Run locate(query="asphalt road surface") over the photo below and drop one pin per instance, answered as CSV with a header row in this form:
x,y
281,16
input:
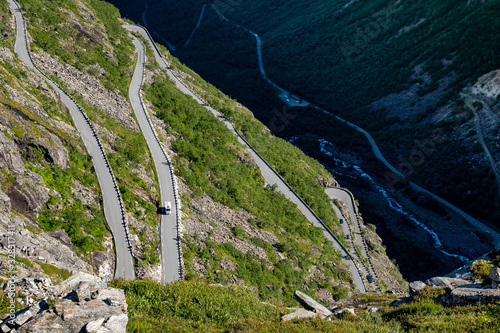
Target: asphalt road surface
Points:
x,y
111,201
344,196
169,241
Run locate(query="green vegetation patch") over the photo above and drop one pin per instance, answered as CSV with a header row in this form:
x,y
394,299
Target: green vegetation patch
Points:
x,y
56,274
87,233
183,306
24,261
6,31
85,226
273,279
36,231
199,307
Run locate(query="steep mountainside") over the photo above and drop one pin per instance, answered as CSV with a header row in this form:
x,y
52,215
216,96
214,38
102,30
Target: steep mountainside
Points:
x,y
47,175
402,70
236,229
250,255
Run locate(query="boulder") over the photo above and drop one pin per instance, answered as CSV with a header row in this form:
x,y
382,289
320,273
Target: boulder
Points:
x,y
441,281
23,317
26,315
495,277
74,280
66,309
82,292
63,237
117,323
311,304
301,313
415,287
464,296
5,328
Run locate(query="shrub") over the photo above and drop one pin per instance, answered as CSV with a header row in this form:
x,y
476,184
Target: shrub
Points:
x,y
481,269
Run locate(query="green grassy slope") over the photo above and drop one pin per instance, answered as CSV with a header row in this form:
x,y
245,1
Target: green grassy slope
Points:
x,y
198,307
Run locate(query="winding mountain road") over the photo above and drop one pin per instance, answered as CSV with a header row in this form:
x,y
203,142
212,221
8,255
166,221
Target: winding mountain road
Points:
x,y
113,206
348,199
269,174
170,246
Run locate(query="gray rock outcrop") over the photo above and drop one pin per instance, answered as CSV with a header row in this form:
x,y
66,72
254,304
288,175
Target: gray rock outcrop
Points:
x,y
82,292
76,281
311,304
5,205
83,303
441,281
36,246
495,277
416,286
464,296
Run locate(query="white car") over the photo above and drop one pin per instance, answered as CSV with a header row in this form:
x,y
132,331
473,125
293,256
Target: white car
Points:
x,y
168,207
